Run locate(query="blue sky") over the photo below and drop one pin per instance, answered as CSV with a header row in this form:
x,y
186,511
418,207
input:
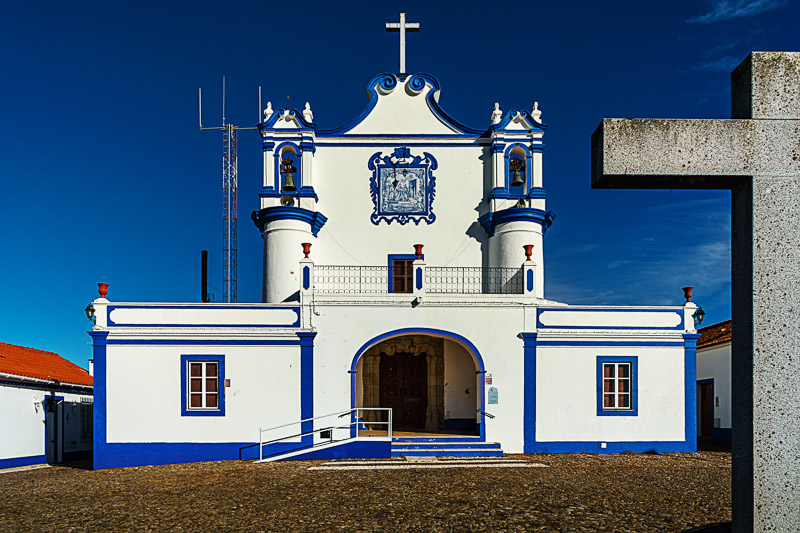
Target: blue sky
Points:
x,y
106,177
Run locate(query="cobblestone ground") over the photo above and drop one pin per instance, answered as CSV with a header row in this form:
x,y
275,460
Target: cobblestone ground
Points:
x,y
578,492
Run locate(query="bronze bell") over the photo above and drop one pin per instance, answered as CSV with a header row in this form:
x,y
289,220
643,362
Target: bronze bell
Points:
x,y
516,178
287,168
288,183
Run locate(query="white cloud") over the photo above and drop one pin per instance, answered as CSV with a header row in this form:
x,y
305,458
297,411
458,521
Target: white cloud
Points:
x,y
731,9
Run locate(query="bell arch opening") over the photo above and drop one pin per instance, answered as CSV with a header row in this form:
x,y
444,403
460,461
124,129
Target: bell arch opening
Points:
x,y
432,383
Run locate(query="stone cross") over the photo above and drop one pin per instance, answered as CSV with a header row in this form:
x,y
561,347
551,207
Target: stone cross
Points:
x,y
756,155
402,27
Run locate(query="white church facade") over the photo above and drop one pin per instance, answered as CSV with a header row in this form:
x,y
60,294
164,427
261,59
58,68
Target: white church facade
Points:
x,y
403,270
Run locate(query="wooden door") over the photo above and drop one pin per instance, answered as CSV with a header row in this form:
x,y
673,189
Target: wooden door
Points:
x,y
404,388
706,410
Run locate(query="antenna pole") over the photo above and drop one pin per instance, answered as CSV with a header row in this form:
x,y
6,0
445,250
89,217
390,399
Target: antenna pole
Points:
x,y
200,107
259,105
223,100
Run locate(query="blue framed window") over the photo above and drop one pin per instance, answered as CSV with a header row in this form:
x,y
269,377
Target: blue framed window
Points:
x,y
401,272
617,385
202,385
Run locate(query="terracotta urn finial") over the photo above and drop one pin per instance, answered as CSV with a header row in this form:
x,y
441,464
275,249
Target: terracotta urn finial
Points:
x,y
418,250
102,288
306,248
528,251
687,293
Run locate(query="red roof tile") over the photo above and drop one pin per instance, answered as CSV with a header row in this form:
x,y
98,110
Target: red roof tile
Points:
x,y
39,364
715,334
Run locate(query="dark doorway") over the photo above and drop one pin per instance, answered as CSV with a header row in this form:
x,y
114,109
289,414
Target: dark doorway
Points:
x,y
400,275
404,388
706,396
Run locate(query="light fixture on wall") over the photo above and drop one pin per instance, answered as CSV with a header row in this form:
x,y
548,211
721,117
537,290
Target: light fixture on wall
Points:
x,y
698,316
90,313
287,167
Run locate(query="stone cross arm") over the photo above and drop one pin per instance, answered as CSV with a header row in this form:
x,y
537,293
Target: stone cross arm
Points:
x,y
693,153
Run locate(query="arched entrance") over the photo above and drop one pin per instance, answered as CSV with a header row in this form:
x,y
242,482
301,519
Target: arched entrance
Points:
x,y
432,380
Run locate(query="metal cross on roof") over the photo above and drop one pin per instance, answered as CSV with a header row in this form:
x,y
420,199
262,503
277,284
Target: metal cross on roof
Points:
x,y
402,27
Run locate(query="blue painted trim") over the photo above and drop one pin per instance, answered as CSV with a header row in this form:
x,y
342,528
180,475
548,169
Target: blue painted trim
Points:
x,y
679,327
306,277
422,331
99,339
419,278
405,143
529,344
614,447
112,307
534,193
351,450
426,162
644,344
386,83
533,126
491,220
530,280
634,394
391,258
302,192
15,462
124,454
209,342
279,212
690,375
296,114
197,358
307,383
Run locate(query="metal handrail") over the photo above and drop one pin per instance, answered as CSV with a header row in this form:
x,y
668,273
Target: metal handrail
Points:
x,y
481,411
356,420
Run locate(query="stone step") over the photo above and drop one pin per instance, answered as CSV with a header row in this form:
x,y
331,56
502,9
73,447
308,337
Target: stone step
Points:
x,y
447,452
444,445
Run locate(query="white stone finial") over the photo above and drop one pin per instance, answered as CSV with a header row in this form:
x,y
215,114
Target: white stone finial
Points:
x,y
497,115
536,114
309,116
268,111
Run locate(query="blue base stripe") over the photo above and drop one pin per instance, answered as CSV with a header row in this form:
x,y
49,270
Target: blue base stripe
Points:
x,y
23,461
352,450
117,455
612,447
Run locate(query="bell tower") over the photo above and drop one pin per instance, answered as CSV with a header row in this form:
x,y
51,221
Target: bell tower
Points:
x,y
517,214
288,215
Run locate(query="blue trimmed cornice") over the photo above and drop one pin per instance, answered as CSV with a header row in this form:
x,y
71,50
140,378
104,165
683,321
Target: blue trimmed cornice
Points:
x,y
500,193
264,216
490,221
303,192
511,115
386,83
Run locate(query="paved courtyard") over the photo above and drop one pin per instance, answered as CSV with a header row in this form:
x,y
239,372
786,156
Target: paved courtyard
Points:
x,y
575,492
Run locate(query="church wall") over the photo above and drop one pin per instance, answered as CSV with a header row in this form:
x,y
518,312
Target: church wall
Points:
x,y
143,393
342,183
566,396
344,329
461,391
715,363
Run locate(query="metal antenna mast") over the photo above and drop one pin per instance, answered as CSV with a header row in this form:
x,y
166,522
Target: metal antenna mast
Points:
x,y
230,169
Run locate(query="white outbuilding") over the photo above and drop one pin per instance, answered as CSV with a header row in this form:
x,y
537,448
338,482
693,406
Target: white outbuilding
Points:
x,y
45,408
714,382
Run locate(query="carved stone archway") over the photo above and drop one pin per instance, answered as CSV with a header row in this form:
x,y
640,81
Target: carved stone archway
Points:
x,y
432,348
